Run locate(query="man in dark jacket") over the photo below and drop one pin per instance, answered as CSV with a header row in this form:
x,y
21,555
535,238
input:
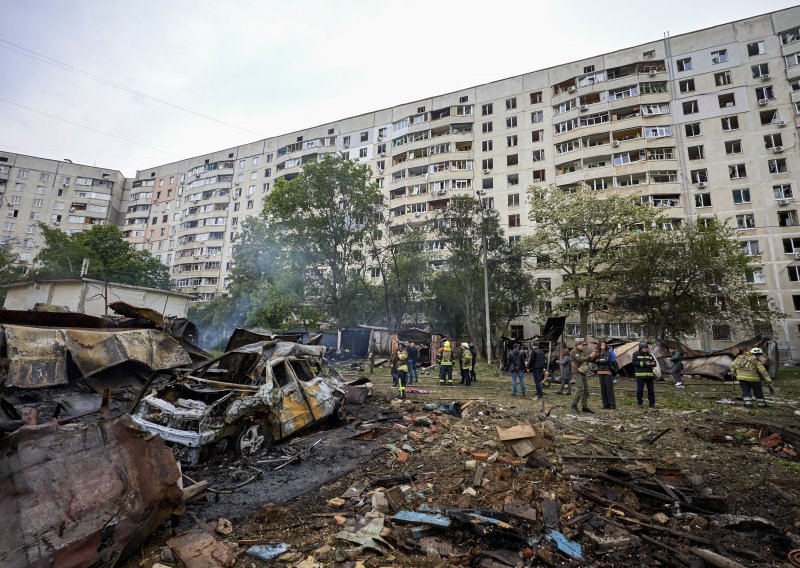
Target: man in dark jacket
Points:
x,y
413,355
643,369
516,364
537,363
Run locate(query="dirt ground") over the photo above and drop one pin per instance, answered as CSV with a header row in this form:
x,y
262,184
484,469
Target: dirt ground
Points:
x,y
632,487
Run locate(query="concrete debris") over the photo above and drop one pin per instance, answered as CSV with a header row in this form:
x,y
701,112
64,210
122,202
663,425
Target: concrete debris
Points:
x,y
82,495
198,549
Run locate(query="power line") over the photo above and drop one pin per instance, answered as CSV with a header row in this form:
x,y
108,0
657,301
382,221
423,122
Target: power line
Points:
x,y
89,128
86,74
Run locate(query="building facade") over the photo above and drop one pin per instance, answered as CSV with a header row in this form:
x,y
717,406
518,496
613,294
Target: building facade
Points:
x,y
703,124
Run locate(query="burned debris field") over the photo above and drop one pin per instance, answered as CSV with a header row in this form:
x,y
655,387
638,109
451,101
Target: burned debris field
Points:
x,y
126,445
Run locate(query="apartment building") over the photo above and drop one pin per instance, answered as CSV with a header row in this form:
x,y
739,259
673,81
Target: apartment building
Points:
x,y
70,196
703,124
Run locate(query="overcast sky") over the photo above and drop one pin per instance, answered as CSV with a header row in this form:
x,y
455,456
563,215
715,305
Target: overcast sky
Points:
x,y
274,67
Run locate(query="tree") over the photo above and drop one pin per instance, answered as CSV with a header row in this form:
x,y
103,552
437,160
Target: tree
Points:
x,y
110,257
321,220
583,234
677,281
399,256
457,290
11,267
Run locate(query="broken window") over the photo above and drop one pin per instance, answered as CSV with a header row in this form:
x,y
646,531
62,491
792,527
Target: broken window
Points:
x,y
538,175
487,145
782,192
791,245
696,152
723,78
364,136
777,166
512,160
686,86
653,87
699,176
692,129
756,48
768,117
537,135
760,70
794,273
511,103
733,147
764,94
702,200
684,64
792,60
487,183
514,220
787,218
745,221
512,179
487,109
536,97
690,107
730,123
719,56
538,155
488,163
737,171
741,196
726,100
657,131
511,122
750,248
511,141
537,116
773,141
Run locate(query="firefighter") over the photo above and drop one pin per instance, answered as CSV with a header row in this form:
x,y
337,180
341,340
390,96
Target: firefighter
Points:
x,y
643,369
445,364
466,365
749,370
402,369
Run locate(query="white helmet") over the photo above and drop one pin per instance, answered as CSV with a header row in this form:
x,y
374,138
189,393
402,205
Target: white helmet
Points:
x,y
757,351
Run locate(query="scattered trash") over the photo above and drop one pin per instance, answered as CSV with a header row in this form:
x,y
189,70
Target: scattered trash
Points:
x,y
267,552
565,545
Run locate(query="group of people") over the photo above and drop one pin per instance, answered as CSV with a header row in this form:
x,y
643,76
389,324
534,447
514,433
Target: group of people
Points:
x,y
466,362
748,368
574,366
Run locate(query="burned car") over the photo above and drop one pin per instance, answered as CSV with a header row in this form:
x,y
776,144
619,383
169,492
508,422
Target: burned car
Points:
x,y
251,396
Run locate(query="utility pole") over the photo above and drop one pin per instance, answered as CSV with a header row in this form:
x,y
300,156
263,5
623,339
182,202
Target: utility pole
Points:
x,y
486,283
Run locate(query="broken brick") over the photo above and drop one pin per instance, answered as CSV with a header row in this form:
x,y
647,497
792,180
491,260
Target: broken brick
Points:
x,y
398,426
480,456
416,436
771,441
402,457
789,451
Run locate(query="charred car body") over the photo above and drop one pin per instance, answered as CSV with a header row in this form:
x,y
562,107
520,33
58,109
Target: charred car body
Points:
x,y
251,396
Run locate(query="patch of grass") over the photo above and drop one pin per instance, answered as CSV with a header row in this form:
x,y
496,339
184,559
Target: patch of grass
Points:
x,y
788,373
790,466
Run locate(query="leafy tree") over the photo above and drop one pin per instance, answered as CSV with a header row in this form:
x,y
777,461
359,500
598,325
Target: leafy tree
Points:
x,y
321,220
678,281
457,291
110,257
398,254
11,267
583,234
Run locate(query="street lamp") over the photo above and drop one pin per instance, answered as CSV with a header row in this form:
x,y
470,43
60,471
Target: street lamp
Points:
x,y
485,281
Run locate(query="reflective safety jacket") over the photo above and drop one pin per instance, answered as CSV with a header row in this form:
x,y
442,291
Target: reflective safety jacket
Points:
x,y
466,359
643,365
402,357
447,356
747,367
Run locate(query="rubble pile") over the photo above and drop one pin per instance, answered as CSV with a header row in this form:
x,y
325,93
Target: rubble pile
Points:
x,y
478,484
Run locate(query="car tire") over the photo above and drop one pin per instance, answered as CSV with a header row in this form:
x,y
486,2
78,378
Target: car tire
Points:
x,y
252,439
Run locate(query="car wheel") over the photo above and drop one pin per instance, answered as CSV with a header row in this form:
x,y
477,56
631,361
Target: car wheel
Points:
x,y
251,439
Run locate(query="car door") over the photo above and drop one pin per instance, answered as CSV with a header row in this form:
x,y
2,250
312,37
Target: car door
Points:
x,y
319,395
294,413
